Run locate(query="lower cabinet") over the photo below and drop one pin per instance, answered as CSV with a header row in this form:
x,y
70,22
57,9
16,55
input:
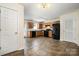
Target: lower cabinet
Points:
x,y
31,34
50,34
39,34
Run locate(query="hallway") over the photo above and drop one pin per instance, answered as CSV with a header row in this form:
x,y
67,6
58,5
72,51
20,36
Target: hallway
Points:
x,y
42,46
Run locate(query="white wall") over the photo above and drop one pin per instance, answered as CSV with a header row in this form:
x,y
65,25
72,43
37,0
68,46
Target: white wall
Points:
x,y
20,10
69,26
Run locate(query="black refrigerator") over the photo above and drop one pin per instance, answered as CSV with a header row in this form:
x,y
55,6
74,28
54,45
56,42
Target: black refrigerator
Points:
x,y
56,31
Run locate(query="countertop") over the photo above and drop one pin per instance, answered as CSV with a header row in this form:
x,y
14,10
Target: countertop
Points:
x,y
36,30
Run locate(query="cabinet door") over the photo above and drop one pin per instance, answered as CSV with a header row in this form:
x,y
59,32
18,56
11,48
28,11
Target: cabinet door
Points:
x,y
30,25
40,25
9,26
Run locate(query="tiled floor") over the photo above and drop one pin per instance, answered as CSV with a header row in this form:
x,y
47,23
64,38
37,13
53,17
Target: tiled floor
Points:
x,y
42,46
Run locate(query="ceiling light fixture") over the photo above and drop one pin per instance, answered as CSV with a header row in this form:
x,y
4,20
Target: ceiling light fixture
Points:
x,y
44,5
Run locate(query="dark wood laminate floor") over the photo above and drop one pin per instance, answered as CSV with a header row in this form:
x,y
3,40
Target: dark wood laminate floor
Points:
x,y
42,46
15,53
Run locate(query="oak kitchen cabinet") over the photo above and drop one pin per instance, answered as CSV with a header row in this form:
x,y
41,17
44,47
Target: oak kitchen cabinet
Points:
x,y
29,34
50,34
40,25
30,24
39,33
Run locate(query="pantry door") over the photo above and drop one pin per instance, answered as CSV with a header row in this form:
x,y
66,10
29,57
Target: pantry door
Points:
x,y
9,30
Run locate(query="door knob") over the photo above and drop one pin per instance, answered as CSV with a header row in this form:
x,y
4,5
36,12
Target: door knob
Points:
x,y
16,32
0,48
0,29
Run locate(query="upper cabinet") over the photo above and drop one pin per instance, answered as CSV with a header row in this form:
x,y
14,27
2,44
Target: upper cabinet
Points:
x,y
47,24
40,25
30,24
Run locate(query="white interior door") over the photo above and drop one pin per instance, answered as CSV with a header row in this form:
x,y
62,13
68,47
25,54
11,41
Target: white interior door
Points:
x,y
68,27
0,32
3,28
69,30
9,29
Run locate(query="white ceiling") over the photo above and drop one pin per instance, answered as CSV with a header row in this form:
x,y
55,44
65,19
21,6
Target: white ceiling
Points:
x,y
32,10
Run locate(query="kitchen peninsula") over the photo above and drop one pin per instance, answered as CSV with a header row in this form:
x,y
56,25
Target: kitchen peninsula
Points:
x,y
39,29
49,29
39,33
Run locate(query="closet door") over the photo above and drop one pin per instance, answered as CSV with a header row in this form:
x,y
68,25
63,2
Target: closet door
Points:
x,y
69,32
0,32
3,29
9,26
67,27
